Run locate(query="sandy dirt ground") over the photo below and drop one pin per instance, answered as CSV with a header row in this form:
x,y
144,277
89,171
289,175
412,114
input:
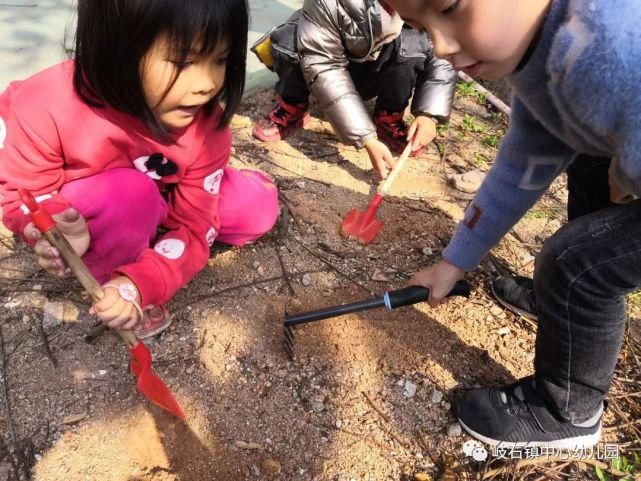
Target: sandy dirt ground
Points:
x,y
345,408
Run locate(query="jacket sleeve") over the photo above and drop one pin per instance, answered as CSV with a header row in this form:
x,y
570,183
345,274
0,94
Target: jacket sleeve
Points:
x,y
30,157
324,63
192,224
435,89
529,159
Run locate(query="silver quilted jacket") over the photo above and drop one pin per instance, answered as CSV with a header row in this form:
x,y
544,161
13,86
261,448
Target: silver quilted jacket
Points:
x,y
331,33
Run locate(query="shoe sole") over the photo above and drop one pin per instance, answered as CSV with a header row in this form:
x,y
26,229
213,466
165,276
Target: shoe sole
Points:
x,y
577,442
156,331
284,133
512,308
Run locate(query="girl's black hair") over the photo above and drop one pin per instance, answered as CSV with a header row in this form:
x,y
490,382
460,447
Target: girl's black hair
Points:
x,y
113,37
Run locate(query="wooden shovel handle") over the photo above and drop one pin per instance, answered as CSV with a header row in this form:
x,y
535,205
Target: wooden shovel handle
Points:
x,y
387,183
80,270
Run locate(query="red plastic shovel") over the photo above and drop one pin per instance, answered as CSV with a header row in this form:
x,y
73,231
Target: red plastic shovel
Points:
x,y
364,226
149,385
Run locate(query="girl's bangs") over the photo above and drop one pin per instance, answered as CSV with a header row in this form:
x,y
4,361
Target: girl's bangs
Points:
x,y
201,25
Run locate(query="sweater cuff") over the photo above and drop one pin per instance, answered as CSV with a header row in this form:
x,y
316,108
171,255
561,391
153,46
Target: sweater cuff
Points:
x,y
464,250
149,281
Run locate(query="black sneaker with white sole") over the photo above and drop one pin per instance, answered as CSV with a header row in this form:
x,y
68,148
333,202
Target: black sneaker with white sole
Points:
x,y
516,416
516,294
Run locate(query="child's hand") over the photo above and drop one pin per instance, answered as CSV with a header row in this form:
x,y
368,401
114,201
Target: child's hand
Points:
x,y
74,227
439,279
114,310
382,159
422,130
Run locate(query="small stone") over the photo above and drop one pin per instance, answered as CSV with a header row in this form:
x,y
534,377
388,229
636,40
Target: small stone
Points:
x,y
338,424
469,182
53,316
503,331
245,445
256,264
437,397
75,419
317,406
422,477
409,390
240,122
496,310
454,430
37,287
270,466
427,251
260,271
379,276
169,337
307,280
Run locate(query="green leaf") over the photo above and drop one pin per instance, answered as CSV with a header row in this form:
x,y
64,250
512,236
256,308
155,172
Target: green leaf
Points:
x,y
600,474
616,463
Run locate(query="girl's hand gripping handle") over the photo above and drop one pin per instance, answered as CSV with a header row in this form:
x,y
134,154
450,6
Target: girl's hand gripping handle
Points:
x,y
387,183
45,223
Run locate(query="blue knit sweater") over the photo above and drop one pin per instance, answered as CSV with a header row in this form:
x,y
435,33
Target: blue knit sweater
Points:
x,y
579,92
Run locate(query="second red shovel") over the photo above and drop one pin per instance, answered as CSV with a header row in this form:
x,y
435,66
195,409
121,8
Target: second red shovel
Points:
x,y
364,226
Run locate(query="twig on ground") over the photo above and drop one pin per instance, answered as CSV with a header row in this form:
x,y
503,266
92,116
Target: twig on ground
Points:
x,y
95,332
491,98
385,418
195,300
297,174
45,344
283,230
22,471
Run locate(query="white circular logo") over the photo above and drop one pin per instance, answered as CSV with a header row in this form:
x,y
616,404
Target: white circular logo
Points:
x,y
211,236
140,165
212,182
170,248
3,133
475,450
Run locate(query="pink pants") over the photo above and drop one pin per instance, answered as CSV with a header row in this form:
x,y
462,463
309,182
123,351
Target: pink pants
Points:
x,y
124,209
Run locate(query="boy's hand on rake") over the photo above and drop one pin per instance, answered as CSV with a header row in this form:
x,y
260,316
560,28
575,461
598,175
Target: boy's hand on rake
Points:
x,y
381,157
74,227
120,307
421,132
439,279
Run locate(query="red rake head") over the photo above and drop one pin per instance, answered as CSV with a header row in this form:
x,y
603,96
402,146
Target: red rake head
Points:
x,y
361,225
150,385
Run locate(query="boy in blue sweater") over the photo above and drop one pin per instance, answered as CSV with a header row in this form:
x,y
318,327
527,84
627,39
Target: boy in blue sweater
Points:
x,y
575,69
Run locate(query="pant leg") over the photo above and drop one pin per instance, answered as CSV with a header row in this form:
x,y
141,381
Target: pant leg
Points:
x,y
123,208
291,85
248,206
588,187
581,278
393,75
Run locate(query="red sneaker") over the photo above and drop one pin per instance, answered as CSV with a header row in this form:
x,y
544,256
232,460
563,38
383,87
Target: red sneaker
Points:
x,y
155,320
392,129
283,119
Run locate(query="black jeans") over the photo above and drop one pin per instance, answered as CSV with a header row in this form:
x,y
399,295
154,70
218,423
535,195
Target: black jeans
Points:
x,y
581,278
391,78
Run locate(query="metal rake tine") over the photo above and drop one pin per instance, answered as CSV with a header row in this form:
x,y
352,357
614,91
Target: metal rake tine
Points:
x,y
288,342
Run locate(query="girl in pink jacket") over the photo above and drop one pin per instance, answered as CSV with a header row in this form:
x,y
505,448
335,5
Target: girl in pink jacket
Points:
x,y
129,136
